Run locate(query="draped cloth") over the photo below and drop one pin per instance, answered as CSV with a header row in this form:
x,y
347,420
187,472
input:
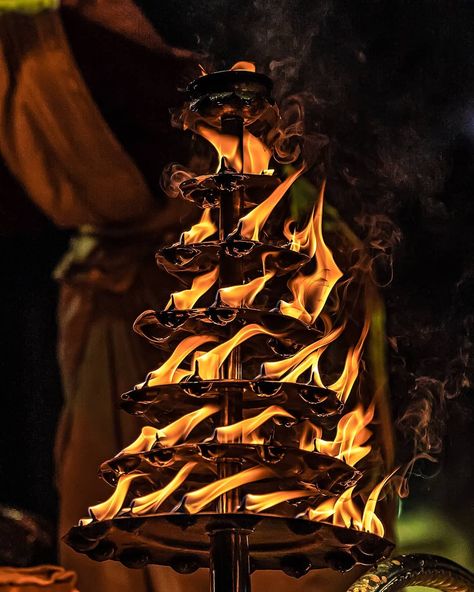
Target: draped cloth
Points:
x,y
36,579
58,145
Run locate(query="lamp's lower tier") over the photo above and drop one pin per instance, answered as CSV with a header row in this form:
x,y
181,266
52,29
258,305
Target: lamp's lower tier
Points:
x,y
294,545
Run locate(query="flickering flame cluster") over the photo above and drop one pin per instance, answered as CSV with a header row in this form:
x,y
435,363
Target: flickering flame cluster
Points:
x,y
312,299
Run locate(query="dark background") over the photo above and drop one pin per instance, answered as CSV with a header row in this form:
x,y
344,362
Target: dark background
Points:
x,y
391,86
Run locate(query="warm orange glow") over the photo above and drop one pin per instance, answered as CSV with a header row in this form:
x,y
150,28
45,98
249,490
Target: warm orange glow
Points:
x,y
244,295
110,507
255,154
181,428
172,433
245,430
312,361
310,292
148,436
298,361
208,364
187,298
345,512
150,503
197,500
349,444
303,240
250,66
168,372
370,521
345,382
200,231
261,502
251,224
316,296
322,512
308,435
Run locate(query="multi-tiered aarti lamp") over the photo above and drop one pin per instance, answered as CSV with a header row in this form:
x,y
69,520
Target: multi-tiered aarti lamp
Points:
x,y
236,471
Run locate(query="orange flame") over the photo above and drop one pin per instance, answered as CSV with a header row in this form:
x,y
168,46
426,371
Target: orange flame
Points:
x,y
149,503
200,231
312,361
111,506
322,512
345,512
251,224
352,434
370,521
276,370
197,500
168,372
172,433
310,292
345,382
208,364
182,427
303,240
308,435
187,298
148,436
244,430
261,502
256,155
250,66
245,294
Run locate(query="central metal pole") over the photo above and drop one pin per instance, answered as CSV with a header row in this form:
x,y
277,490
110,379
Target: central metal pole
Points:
x,y
230,274
229,560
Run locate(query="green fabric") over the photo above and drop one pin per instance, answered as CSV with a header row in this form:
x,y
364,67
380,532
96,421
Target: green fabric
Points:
x,y
27,6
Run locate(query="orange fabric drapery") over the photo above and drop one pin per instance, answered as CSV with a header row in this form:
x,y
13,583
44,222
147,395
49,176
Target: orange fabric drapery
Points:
x,y
34,579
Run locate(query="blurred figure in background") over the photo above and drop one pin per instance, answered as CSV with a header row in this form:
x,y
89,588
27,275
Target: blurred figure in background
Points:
x,y
59,147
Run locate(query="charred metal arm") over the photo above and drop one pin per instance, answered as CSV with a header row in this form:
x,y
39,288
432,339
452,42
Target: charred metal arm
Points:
x,y
415,570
